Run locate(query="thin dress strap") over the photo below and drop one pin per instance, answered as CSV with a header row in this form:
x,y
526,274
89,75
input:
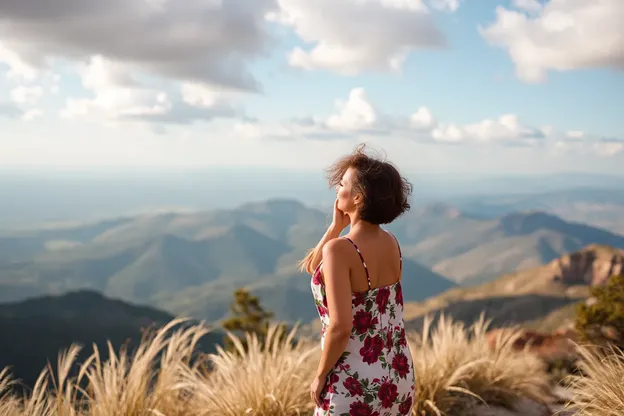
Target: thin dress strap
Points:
x,y
363,262
399,247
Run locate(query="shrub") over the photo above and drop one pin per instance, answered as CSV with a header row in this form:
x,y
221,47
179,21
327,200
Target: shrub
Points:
x,y
248,317
601,321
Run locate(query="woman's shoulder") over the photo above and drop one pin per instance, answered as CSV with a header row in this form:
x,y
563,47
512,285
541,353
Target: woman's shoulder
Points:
x,y
337,247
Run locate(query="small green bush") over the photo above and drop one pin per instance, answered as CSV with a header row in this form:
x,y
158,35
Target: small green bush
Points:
x,y
601,321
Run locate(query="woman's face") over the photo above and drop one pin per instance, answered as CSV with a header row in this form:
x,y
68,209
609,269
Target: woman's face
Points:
x,y
345,194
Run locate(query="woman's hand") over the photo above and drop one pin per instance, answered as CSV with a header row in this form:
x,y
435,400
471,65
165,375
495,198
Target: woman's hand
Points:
x,y
316,388
340,219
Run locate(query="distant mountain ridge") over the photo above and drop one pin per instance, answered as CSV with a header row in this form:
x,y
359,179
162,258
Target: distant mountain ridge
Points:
x,y
190,263
470,250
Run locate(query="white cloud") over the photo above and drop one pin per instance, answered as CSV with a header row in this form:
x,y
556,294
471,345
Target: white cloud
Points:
x,y
119,95
207,41
507,128
422,119
608,148
580,142
357,118
357,113
350,36
445,5
32,114
17,67
562,35
26,95
528,5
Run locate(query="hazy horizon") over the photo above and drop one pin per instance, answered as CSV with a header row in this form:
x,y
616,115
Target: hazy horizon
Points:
x,y
34,198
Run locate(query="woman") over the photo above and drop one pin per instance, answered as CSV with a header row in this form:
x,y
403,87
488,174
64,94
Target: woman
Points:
x,y
366,366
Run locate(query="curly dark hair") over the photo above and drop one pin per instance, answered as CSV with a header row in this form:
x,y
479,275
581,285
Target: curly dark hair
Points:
x,y
385,192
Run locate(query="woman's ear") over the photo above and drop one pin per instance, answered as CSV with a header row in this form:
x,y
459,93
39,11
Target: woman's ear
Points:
x,y
357,199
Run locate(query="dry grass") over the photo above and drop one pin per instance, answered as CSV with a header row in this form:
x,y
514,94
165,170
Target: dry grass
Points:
x,y
598,389
267,380
456,369
164,377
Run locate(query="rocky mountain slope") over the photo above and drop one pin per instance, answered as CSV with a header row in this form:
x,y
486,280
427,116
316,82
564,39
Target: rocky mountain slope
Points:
x,y
530,295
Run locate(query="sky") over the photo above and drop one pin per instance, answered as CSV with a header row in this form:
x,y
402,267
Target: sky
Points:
x,y
438,86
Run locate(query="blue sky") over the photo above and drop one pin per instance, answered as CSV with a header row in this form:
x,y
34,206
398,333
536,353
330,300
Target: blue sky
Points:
x,y
444,86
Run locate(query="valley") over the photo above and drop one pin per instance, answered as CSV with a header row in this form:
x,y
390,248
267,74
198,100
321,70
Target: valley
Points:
x,y
189,264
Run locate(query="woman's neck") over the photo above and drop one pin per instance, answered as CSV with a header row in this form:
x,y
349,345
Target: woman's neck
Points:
x,y
359,225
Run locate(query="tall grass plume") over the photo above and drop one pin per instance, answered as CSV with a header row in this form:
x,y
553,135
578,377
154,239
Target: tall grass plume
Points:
x,y
598,388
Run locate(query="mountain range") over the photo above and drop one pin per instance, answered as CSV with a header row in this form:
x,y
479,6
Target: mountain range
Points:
x,y
190,263
469,249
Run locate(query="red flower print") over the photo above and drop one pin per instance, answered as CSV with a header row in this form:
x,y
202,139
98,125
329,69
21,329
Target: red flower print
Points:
x,y
332,379
389,340
325,404
382,299
388,394
401,365
353,386
402,339
361,409
399,295
316,278
363,321
406,406
371,350
374,374
359,299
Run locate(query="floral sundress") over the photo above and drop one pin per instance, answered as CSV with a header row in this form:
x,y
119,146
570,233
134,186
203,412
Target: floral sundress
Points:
x,y
375,374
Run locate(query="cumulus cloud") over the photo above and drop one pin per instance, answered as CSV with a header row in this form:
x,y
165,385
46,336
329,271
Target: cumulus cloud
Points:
x,y
422,119
506,129
32,114
27,95
197,41
580,142
350,36
528,5
356,118
119,95
561,35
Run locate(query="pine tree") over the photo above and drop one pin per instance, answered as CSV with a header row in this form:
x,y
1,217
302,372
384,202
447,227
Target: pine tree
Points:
x,y
248,317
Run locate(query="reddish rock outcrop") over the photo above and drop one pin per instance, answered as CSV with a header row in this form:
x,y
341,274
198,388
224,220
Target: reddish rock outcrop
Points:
x,y
593,265
548,346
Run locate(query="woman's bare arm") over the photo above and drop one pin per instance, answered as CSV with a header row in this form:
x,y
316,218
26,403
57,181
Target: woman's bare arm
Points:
x,y
339,222
314,256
